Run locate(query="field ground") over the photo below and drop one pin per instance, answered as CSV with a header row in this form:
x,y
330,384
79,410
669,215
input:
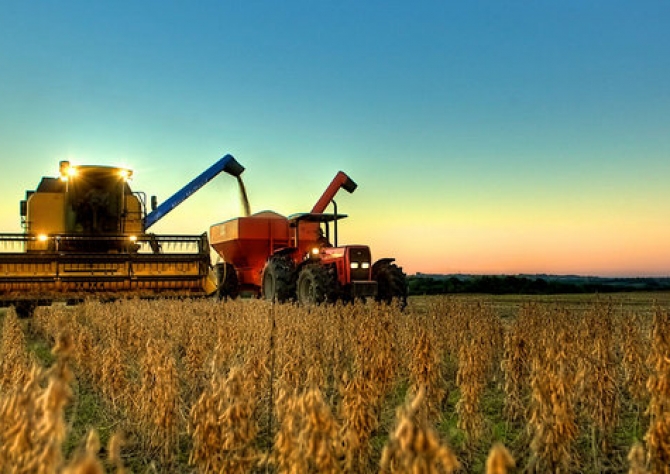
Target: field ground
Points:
x,y
509,305
567,383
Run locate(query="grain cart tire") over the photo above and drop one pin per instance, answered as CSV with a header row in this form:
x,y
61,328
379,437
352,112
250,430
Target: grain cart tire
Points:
x,y
25,309
316,285
391,282
227,283
277,283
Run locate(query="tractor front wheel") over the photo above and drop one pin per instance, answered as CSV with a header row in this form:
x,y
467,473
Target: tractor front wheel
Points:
x,y
316,285
391,282
277,283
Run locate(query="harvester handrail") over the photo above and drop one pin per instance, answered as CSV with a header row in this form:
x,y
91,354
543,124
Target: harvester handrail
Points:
x,y
168,243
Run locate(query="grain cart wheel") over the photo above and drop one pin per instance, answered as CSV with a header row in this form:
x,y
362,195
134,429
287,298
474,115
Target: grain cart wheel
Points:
x,y
391,282
278,283
227,284
25,308
316,284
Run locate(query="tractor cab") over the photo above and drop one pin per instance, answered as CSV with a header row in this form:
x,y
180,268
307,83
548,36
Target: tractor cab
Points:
x,y
312,230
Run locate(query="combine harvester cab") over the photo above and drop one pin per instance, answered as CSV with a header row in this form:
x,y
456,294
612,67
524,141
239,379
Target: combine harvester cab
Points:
x,y
86,235
298,257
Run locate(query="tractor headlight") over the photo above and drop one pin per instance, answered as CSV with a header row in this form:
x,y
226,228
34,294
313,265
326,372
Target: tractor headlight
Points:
x,y
133,238
42,237
315,251
354,265
365,265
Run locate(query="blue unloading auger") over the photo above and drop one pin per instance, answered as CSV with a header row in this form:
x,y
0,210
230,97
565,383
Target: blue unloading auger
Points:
x,y
227,163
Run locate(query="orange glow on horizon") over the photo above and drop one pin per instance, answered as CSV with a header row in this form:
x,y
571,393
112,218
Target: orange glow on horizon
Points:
x,y
602,249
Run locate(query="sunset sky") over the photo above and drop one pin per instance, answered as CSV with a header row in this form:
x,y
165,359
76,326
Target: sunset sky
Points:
x,y
485,136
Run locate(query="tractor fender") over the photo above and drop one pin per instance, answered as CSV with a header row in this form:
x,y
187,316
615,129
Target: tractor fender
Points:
x,y
382,261
305,262
283,251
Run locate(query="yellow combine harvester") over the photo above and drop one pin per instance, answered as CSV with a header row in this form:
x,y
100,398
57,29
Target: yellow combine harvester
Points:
x,y
86,235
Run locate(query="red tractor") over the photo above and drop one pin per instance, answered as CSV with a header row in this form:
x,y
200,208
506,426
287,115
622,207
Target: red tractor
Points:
x,y
298,257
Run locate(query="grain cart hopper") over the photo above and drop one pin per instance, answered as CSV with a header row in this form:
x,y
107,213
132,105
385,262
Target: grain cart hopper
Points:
x,y
298,257
86,234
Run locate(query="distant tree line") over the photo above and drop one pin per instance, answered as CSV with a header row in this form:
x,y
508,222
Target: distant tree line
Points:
x,y
522,285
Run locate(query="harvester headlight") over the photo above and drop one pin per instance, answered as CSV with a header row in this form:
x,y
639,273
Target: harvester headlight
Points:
x,y
365,265
354,265
133,238
125,174
42,237
67,172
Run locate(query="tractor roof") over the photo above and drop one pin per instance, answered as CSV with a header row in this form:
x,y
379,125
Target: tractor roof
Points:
x,y
315,217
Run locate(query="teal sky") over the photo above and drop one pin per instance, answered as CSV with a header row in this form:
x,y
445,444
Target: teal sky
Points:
x,y
485,136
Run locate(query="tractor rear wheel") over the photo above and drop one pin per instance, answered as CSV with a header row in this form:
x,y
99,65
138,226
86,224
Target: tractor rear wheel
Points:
x,y
391,282
228,285
278,282
316,285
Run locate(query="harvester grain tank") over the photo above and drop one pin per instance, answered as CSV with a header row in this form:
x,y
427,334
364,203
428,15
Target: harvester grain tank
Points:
x,y
86,235
299,257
